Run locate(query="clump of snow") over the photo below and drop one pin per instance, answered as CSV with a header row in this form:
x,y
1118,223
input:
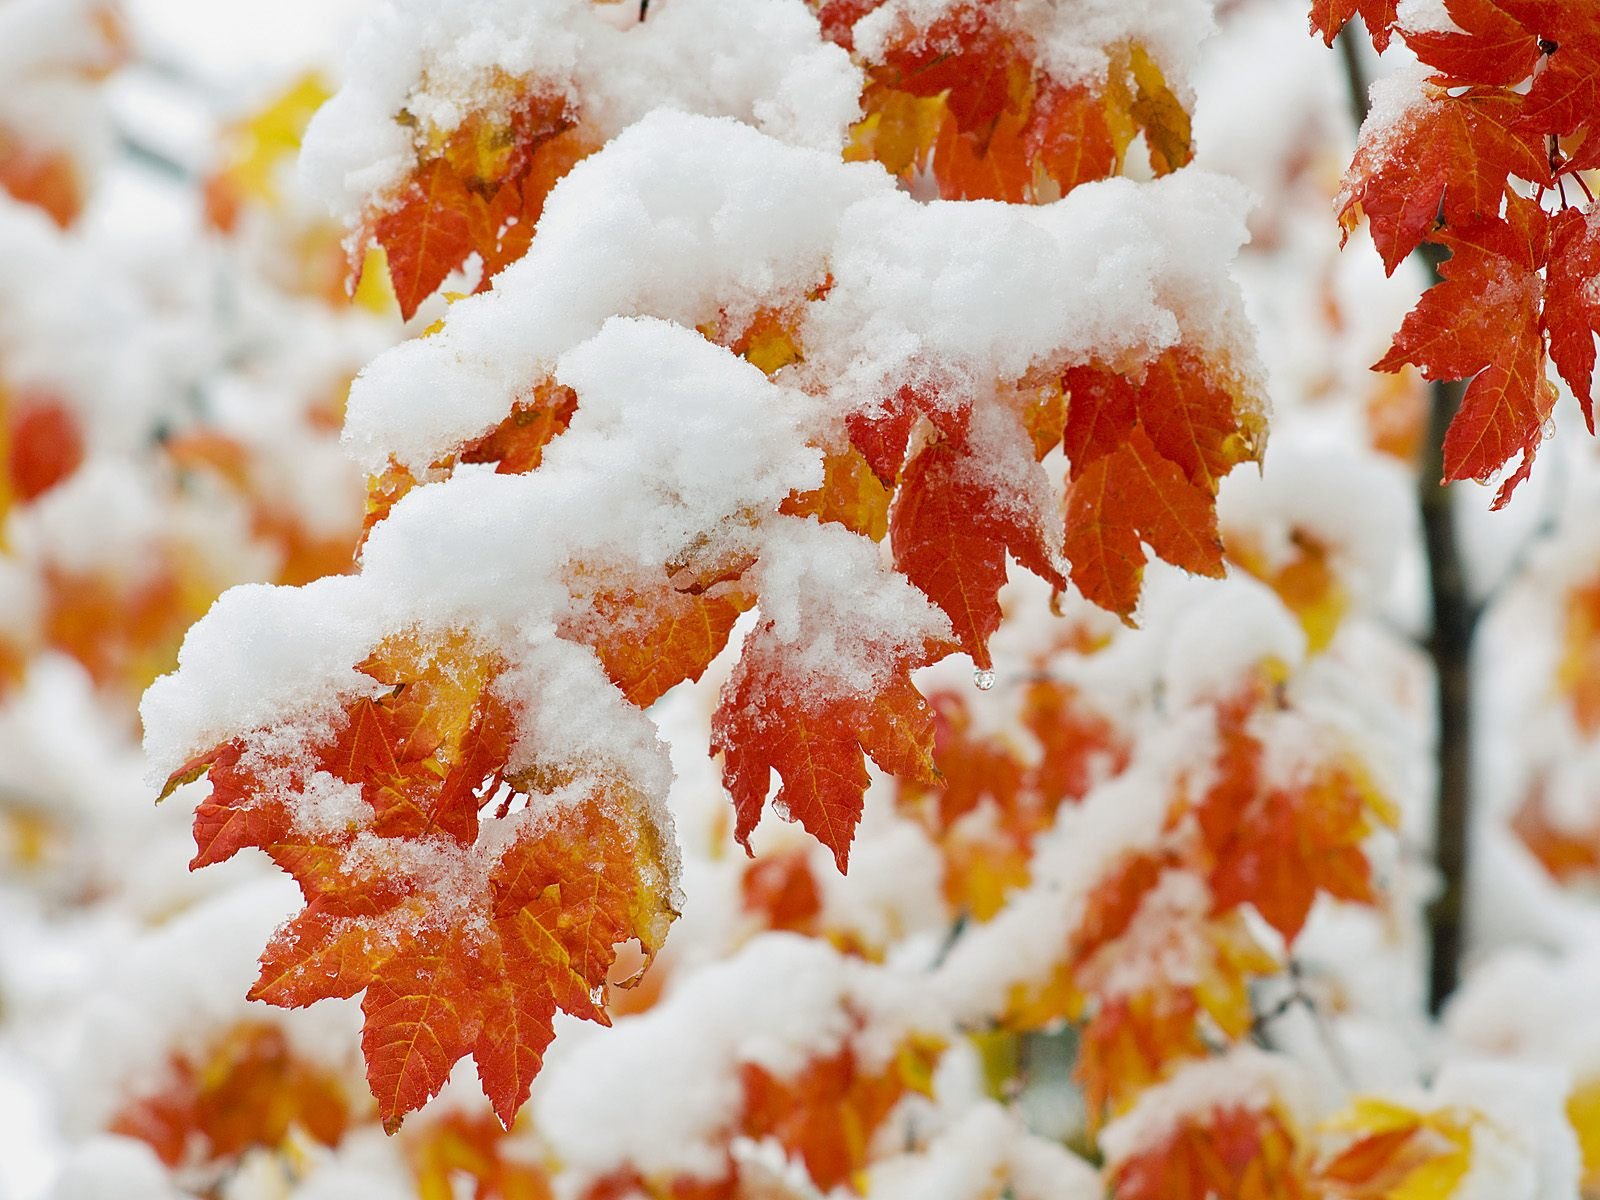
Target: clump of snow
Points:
x,y
842,620
763,62
780,1003
114,1166
684,218
1527,1005
986,1152
1225,640
1353,505
260,654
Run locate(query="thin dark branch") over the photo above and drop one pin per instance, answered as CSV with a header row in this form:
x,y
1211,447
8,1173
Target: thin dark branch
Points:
x,y
150,157
1355,73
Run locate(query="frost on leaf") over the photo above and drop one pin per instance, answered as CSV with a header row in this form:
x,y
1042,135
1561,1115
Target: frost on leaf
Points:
x,y
468,899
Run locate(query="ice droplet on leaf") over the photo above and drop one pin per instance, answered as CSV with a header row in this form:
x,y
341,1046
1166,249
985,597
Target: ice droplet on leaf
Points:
x,y
984,679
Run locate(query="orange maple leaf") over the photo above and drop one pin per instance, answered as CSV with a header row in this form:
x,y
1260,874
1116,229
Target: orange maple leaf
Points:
x,y
247,1090
827,1114
460,946
1277,845
1236,1150
1125,500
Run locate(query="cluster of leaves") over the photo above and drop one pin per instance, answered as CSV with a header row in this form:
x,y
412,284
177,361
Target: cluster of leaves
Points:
x,y
1373,1150
1505,122
459,948
1237,843
966,100
476,189
1145,443
249,1089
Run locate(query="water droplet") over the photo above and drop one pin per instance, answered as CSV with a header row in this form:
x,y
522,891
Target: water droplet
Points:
x,y
984,679
1548,430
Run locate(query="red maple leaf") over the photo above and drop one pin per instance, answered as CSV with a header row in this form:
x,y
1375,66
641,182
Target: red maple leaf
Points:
x,y
817,736
1484,322
1328,17
1487,47
1452,154
954,520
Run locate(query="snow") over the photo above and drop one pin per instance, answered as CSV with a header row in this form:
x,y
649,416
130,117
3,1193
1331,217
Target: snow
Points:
x,y
588,1101
729,201
1069,40
760,62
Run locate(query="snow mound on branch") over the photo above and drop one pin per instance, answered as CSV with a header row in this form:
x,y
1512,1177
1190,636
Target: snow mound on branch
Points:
x,y
690,219
759,61
658,1092
987,1152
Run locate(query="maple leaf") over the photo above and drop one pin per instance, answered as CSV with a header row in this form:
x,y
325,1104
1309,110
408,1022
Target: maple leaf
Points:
x,y
461,945
427,235
987,859
953,522
816,734
1487,46
1231,1150
1078,746
1395,1151
1145,459
1124,500
1484,322
247,1090
1275,846
1571,305
516,445
827,1113
781,889
1566,91
459,1144
851,494
1452,153
1328,17
651,639
1133,1039
48,179
883,433
45,444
